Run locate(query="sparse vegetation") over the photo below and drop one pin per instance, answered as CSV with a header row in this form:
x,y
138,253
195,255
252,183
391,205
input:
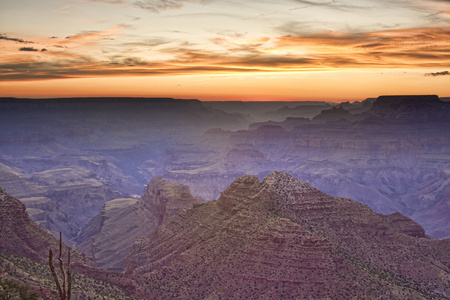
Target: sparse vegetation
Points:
x,y
12,290
65,291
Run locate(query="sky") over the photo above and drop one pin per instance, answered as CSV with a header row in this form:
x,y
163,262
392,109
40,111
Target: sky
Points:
x,y
334,50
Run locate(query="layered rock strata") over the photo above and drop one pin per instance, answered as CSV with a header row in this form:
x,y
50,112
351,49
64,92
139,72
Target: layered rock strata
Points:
x,y
281,238
109,235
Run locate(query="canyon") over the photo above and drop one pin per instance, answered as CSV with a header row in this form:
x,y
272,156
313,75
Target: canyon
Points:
x,y
66,158
261,239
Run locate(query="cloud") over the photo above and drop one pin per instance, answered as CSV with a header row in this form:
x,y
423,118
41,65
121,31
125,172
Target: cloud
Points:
x,y
92,36
444,73
328,4
408,47
63,9
5,37
157,6
89,68
152,42
30,49
237,53
115,2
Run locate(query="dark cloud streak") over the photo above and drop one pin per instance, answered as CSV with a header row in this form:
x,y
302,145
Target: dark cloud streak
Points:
x,y
29,49
18,40
444,73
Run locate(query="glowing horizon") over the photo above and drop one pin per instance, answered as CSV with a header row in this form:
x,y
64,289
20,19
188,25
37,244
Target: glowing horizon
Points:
x,y
221,50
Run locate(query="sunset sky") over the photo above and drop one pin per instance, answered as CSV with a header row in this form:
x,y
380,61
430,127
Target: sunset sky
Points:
x,y
225,50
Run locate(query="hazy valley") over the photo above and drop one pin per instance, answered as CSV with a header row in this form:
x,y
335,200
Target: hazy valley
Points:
x,y
181,195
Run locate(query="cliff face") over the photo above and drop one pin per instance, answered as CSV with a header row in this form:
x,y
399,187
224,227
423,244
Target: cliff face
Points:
x,y
19,235
283,238
108,236
24,250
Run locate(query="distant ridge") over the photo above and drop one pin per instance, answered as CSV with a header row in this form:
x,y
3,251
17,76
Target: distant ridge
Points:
x,y
89,101
400,98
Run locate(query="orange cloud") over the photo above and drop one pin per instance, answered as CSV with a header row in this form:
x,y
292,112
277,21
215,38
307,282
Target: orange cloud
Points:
x,y
395,48
92,36
407,48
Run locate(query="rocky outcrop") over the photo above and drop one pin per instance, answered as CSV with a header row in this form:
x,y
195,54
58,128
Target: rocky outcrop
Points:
x,y
109,235
166,199
18,234
405,225
24,251
282,238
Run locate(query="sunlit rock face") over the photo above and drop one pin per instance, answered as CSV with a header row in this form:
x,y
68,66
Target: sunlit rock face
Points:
x,y
280,237
109,235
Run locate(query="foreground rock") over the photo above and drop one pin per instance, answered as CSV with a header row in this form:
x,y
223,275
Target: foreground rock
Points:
x,y
281,238
24,248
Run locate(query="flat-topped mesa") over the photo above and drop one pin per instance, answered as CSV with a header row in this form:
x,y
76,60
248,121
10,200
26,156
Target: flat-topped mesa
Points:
x,y
167,199
418,107
398,99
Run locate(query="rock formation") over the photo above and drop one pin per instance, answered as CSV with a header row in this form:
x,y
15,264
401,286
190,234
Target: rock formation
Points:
x,y
108,236
65,158
24,251
281,238
19,235
393,157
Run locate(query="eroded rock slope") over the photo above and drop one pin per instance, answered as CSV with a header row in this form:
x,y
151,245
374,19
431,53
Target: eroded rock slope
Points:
x,y
282,238
108,237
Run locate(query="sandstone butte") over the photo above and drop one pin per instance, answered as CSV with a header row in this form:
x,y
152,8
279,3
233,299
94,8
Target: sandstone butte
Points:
x,y
282,239
108,237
